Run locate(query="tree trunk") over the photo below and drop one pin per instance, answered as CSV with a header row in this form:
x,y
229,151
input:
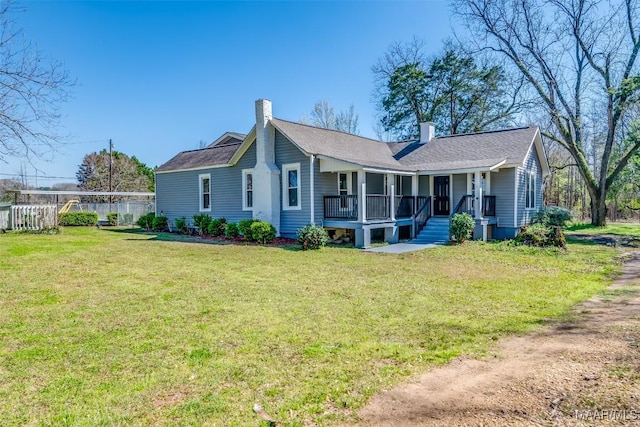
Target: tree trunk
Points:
x,y
598,210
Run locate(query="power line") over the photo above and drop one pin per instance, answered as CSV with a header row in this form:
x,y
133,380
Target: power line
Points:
x,y
17,175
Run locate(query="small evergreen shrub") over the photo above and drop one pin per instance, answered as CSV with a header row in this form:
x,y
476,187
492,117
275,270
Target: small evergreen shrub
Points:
x,y
263,232
312,237
112,218
231,230
146,221
181,225
244,227
541,236
202,221
78,218
217,226
160,223
462,226
552,216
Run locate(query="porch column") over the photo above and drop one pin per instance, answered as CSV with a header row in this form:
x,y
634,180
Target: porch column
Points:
x,y
414,192
362,196
392,202
478,196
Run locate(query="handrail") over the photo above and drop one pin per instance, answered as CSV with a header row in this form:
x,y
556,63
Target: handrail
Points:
x,y
422,215
462,201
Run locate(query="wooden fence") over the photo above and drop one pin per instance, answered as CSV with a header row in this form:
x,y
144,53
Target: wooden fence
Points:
x,y
33,217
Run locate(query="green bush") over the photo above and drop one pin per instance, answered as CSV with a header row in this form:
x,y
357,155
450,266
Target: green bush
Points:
x,y
181,225
78,218
232,230
244,227
160,223
263,232
202,221
462,226
552,216
312,237
541,236
146,221
112,218
217,227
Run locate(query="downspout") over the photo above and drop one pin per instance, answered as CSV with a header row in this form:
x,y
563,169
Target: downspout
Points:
x,y
312,195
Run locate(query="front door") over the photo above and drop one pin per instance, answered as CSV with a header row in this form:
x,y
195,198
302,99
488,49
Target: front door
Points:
x,y
441,195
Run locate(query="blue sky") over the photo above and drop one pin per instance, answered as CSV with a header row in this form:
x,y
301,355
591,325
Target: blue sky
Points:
x,y
158,77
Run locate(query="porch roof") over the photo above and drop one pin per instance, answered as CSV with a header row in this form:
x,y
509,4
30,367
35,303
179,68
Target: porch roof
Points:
x,y
464,166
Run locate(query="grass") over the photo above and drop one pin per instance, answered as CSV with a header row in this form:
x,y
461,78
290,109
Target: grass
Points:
x,y
615,229
101,328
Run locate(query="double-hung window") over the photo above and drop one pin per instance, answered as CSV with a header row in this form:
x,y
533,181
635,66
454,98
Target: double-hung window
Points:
x,y
205,192
247,189
291,188
530,190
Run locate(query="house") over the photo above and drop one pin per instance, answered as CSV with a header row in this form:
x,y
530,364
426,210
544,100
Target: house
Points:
x,y
292,175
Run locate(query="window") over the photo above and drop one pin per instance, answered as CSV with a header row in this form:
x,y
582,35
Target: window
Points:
x,y
247,189
291,192
344,184
205,192
530,191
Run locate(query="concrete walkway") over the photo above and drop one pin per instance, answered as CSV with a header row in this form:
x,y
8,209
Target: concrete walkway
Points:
x,y
400,248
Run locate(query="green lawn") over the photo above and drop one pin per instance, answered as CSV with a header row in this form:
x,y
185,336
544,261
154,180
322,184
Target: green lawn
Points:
x,y
99,327
620,229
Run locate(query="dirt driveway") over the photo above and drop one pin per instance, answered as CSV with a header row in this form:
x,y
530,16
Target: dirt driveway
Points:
x,y
580,372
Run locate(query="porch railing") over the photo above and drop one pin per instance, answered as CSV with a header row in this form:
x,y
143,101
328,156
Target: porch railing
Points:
x,y
378,206
489,205
404,206
341,207
466,205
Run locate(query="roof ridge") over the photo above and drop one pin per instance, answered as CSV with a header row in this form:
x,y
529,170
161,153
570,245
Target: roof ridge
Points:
x,y
329,130
210,148
486,132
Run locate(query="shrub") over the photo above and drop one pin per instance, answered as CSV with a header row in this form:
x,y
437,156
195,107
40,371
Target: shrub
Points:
x,y
146,221
262,232
552,216
244,227
217,226
160,223
181,225
231,230
202,221
78,218
112,218
541,236
462,226
312,237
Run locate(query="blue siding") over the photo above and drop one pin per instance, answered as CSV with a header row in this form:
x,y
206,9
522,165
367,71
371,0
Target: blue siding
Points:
x,y
502,183
531,163
459,186
423,185
375,183
177,193
326,185
292,220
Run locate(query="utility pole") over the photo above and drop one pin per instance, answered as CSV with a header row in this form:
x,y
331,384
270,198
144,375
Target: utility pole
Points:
x,y
110,172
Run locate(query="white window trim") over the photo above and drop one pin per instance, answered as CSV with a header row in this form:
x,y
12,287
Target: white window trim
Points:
x,y
201,177
531,178
349,182
246,172
285,187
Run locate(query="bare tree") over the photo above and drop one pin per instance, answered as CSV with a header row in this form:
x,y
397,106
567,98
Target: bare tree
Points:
x,y
32,86
324,116
579,58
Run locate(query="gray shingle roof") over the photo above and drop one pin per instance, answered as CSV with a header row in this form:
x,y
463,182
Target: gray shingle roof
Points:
x,y
193,159
339,145
472,150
